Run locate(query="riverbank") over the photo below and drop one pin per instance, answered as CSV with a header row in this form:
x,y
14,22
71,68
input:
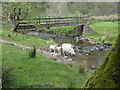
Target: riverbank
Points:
x,y
23,39
106,32
41,71
38,72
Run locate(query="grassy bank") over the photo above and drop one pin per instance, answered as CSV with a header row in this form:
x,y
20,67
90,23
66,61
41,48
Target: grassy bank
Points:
x,y
27,40
39,72
106,32
107,74
58,30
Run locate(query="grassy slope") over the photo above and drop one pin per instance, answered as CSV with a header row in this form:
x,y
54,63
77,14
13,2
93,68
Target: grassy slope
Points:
x,y
107,75
24,39
39,70
109,29
59,29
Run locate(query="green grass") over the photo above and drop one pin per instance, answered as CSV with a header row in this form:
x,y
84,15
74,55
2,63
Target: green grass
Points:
x,y
68,28
27,40
108,29
40,71
105,76
5,28
60,29
63,29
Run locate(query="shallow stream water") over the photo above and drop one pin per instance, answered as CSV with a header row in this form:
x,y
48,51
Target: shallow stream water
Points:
x,y
85,52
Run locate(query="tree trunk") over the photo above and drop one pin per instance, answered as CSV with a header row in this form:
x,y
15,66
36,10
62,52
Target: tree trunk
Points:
x,y
108,73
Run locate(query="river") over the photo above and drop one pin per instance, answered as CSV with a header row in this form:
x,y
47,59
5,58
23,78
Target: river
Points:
x,y
85,51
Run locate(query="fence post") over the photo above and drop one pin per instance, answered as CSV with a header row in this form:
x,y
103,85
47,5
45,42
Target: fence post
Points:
x,y
29,23
75,20
79,19
39,20
66,20
55,20
46,19
49,20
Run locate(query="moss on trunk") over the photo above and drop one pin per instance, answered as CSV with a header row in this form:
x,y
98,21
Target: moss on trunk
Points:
x,y
108,73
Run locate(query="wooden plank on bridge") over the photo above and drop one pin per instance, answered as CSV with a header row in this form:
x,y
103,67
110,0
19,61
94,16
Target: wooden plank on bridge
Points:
x,y
52,21
55,18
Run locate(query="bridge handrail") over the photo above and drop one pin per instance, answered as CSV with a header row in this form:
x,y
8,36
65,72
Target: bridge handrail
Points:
x,y
54,18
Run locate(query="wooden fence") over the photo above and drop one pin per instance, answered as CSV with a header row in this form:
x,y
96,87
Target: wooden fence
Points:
x,y
48,22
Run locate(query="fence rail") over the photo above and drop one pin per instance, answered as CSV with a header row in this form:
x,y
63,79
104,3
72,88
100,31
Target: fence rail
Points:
x,y
52,21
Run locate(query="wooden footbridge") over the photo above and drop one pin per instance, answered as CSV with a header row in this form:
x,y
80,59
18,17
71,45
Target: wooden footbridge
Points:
x,y
48,22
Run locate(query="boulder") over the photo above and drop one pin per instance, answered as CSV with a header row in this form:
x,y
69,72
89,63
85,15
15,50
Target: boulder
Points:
x,y
103,38
88,31
78,30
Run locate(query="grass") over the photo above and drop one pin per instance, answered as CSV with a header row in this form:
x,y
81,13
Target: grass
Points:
x,y
108,29
27,40
58,30
68,28
6,74
32,53
107,74
62,29
39,72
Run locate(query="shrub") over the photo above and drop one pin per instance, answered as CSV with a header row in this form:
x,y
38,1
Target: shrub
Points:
x,y
9,35
82,69
71,83
32,52
73,35
6,74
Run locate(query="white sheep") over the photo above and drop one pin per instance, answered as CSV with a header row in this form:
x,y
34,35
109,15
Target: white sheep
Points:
x,y
59,49
53,48
68,48
68,44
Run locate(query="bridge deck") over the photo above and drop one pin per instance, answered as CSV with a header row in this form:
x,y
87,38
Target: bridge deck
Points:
x,y
52,22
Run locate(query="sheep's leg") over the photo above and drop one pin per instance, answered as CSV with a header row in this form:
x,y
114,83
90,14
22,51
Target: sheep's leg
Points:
x,y
63,53
59,52
54,50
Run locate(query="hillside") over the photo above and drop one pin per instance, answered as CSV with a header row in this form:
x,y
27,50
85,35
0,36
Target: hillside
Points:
x,y
107,75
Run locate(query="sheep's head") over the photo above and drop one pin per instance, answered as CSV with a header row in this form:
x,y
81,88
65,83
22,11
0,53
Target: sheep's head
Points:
x,y
72,51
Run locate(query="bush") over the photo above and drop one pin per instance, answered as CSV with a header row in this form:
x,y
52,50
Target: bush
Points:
x,y
6,74
32,52
9,35
82,69
73,35
71,83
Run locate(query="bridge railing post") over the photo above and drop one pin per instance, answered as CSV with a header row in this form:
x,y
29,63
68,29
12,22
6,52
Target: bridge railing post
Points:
x,y
39,20
49,20
29,22
46,19
79,20
55,20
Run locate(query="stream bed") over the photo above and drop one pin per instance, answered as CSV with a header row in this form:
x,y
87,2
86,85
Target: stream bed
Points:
x,y
86,53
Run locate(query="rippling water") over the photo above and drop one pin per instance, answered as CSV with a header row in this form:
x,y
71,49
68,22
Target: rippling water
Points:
x,y
84,50
94,58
